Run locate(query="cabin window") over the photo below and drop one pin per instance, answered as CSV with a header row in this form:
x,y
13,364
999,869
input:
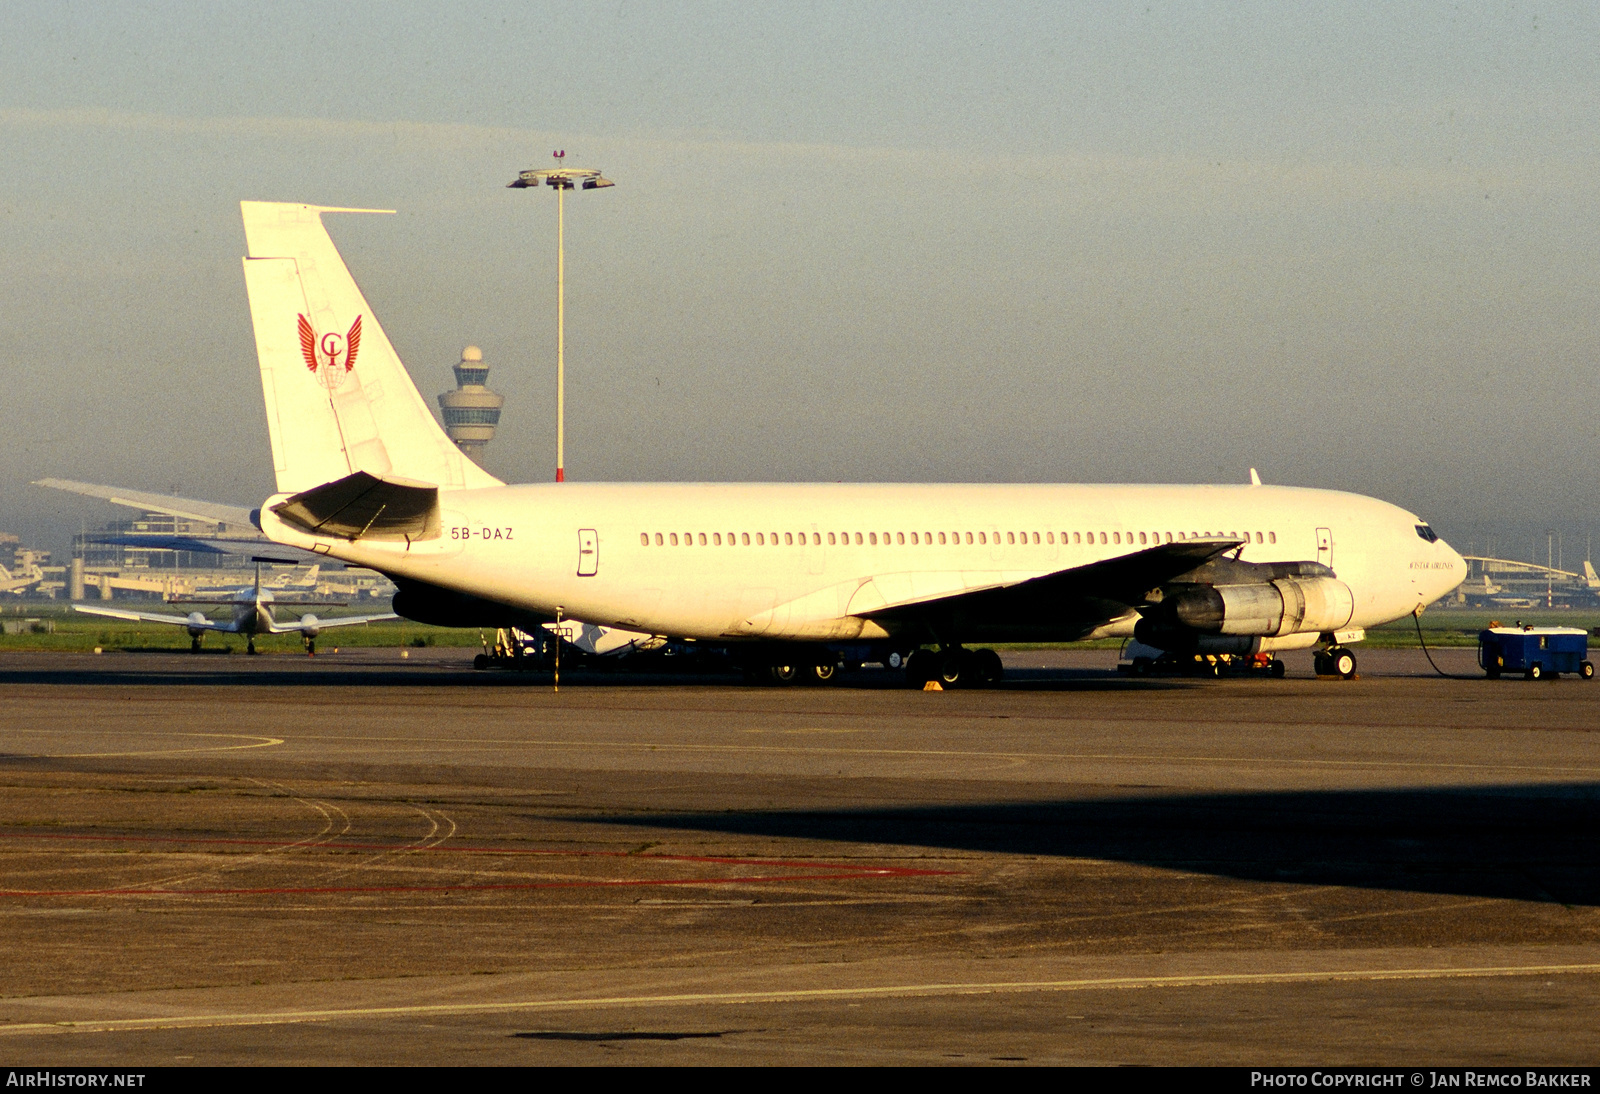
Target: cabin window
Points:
x,y
941,539
1169,537
1272,537
831,541
1141,537
1258,538
716,539
899,538
1116,537
658,539
981,538
1049,537
927,538
1011,537
761,540
773,539
702,537
644,539
859,540
674,536
914,540
788,537
1104,538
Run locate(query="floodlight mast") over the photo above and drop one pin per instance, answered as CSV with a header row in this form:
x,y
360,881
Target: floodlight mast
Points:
x,y
561,179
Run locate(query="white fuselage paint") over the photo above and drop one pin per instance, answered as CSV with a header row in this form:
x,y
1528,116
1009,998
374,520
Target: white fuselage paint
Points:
x,y
520,545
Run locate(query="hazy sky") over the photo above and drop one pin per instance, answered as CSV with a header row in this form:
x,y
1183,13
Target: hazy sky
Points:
x,y
1353,246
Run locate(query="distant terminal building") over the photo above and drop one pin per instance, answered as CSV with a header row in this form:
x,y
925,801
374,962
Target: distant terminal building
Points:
x,y
471,411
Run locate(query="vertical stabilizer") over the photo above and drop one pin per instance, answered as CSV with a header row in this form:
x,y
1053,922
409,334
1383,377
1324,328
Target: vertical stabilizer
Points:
x,y
338,398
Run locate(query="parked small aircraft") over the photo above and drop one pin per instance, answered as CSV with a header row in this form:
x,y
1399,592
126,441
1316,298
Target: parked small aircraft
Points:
x,y
253,614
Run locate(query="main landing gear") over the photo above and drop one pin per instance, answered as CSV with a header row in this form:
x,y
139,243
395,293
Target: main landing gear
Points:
x,y
1334,661
250,644
194,644
954,667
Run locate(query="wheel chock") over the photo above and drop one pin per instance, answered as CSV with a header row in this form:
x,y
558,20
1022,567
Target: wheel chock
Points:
x,y
933,685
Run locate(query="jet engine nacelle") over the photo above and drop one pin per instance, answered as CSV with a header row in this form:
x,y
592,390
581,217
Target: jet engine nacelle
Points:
x,y
197,624
308,625
1290,605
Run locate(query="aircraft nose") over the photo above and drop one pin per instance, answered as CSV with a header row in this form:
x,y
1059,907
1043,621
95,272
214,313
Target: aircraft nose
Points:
x,y
1456,573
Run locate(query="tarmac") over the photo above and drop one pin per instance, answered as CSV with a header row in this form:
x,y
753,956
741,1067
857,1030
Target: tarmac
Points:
x,y
364,859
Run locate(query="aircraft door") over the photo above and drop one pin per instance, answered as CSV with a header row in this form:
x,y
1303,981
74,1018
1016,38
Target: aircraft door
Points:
x,y
588,552
1325,546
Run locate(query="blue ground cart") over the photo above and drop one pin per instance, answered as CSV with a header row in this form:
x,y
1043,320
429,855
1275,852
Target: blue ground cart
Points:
x,y
1536,652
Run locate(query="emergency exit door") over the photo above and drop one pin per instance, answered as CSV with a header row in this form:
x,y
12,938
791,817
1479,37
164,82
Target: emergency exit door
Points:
x,y
1325,546
588,552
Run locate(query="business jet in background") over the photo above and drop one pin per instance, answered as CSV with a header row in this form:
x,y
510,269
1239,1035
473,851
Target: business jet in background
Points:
x,y
788,576
254,613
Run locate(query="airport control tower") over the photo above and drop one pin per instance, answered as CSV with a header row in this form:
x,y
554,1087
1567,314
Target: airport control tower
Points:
x,y
471,411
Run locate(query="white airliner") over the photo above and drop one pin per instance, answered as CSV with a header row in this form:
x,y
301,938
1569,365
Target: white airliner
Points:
x,y
254,612
788,575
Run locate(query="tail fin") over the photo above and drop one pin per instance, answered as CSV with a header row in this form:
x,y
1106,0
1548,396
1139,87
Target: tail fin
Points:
x,y
338,399
1590,578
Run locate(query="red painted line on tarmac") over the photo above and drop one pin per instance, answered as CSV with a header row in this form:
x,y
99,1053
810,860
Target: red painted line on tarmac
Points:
x,y
817,871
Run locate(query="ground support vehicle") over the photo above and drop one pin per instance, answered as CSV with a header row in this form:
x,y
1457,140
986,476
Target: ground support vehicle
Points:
x,y
1536,652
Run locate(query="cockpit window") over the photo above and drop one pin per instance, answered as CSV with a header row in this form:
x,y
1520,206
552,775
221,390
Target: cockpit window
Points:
x,y
1427,533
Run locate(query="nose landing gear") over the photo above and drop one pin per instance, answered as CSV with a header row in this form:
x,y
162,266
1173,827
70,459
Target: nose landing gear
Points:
x,y
1335,661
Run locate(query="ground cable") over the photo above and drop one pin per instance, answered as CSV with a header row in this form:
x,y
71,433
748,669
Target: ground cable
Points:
x,y
1416,617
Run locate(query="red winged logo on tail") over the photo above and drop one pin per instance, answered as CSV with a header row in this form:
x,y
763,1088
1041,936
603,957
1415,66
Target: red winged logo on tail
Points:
x,y
325,355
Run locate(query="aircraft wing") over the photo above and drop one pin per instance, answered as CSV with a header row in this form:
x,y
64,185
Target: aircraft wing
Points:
x,y
237,516
1084,595
326,624
157,617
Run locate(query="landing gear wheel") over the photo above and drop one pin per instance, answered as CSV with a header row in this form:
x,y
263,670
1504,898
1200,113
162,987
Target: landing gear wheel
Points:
x,y
250,645
895,660
1492,672
1276,669
920,667
953,669
311,647
194,644
989,668
1321,664
825,674
1535,672
1343,662
1141,666
480,662
1586,670
783,674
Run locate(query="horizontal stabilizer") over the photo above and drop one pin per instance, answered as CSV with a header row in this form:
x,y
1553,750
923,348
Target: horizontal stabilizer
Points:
x,y
363,506
236,517
255,548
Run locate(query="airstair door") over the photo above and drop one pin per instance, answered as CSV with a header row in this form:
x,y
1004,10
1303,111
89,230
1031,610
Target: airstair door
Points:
x,y
588,552
1325,546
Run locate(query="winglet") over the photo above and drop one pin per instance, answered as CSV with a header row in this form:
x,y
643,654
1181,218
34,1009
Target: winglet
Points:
x,y
1255,479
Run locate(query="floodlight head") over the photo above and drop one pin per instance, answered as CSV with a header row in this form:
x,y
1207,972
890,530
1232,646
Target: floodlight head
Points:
x,y
597,182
